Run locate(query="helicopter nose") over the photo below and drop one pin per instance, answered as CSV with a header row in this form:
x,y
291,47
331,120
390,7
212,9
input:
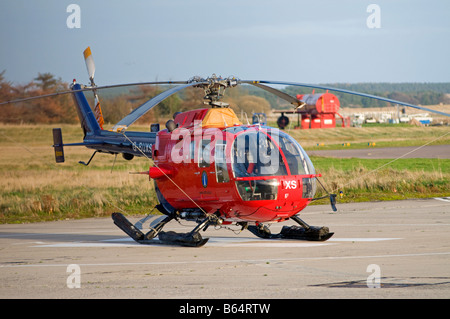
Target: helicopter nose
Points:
x,y
157,172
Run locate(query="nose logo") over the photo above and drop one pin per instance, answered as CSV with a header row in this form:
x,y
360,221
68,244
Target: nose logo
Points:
x,y
290,184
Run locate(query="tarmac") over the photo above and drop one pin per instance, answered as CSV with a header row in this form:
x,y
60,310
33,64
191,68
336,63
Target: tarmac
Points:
x,y
391,249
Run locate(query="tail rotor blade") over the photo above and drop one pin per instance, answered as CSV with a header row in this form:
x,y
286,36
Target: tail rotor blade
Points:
x,y
90,66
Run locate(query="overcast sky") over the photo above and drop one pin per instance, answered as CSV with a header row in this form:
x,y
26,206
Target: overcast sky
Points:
x,y
320,41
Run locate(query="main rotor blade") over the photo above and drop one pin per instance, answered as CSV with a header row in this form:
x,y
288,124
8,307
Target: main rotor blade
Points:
x,y
278,93
351,92
89,89
147,106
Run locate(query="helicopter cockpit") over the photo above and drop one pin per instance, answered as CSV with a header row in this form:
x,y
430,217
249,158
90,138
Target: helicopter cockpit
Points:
x,y
258,153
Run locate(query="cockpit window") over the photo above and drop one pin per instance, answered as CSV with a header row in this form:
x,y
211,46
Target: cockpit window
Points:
x,y
255,154
296,157
268,153
258,189
204,153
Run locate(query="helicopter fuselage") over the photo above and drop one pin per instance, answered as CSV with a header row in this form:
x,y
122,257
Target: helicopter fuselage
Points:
x,y
240,172
207,162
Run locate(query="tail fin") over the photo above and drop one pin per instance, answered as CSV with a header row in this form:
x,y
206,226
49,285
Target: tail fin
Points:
x,y
98,112
87,118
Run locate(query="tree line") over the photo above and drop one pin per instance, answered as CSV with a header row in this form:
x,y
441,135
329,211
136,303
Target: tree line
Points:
x,y
58,109
115,103
413,93
244,100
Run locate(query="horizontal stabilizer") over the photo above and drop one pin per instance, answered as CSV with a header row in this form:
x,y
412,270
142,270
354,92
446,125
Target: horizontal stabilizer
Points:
x,y
58,145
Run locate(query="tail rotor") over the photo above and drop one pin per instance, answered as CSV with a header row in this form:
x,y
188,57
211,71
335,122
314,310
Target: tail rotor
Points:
x,y
90,66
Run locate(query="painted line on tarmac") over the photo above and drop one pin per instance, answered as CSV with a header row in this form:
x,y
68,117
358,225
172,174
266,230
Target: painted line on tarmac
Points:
x,y
223,261
213,241
361,239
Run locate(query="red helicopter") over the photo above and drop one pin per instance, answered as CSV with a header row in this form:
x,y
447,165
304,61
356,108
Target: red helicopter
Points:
x,y
208,167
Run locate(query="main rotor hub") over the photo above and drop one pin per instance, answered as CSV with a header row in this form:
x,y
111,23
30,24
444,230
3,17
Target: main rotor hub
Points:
x,y
214,88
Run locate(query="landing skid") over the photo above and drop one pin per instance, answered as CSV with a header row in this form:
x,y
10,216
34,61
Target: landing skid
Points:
x,y
187,240
192,239
173,242
313,233
301,232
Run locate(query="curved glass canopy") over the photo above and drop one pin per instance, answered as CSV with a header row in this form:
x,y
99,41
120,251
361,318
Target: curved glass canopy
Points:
x,y
268,152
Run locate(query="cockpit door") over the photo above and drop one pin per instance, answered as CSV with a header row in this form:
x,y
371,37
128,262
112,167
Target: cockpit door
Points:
x,y
220,162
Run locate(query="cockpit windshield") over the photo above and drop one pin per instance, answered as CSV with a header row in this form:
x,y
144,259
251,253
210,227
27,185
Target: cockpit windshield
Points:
x,y
296,157
268,152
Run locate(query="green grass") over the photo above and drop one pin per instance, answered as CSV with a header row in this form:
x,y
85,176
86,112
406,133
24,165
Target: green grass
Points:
x,y
362,137
384,179
410,164
34,188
